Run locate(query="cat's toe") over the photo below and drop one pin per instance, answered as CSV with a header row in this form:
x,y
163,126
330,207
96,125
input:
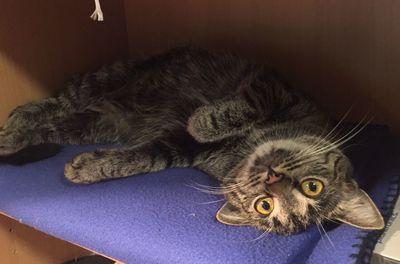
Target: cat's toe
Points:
x,y
79,176
71,174
82,169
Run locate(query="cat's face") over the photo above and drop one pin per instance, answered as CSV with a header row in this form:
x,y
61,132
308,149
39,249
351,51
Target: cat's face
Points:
x,y
288,185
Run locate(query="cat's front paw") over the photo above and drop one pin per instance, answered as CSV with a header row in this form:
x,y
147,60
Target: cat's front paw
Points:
x,y
202,125
85,168
11,141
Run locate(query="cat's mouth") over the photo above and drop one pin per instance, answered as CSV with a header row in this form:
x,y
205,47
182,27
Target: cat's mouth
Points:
x,y
277,183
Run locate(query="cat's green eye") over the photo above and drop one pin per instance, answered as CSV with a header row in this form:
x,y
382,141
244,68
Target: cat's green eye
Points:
x,y
312,187
264,205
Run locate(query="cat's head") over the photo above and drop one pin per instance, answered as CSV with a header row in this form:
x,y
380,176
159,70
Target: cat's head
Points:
x,y
286,185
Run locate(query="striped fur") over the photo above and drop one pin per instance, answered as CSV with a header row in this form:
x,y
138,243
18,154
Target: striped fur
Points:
x,y
192,107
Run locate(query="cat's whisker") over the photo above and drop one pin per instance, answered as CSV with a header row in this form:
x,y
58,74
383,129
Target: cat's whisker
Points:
x,y
327,236
216,190
321,234
263,234
365,120
319,224
218,187
332,221
315,148
319,230
327,136
322,216
356,130
349,146
339,142
334,132
322,138
298,162
300,156
233,185
326,218
210,202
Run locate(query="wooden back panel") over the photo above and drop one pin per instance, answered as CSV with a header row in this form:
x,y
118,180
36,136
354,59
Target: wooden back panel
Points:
x,y
44,42
343,52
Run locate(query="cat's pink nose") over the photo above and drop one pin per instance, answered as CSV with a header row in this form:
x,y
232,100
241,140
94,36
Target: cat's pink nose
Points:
x,y
273,176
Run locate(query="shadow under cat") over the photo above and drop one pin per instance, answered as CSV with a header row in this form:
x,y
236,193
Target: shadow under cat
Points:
x,y
31,154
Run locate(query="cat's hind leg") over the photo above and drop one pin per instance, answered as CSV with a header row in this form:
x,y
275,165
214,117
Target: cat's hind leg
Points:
x,y
80,91
109,164
22,126
87,127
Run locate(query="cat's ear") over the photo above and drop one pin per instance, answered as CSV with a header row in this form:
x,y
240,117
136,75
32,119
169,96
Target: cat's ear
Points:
x,y
360,211
231,215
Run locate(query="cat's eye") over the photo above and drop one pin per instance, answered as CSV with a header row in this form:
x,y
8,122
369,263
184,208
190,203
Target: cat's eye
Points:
x,y
312,187
264,205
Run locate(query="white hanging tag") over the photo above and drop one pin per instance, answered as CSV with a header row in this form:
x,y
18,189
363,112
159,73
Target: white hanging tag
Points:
x,y
97,14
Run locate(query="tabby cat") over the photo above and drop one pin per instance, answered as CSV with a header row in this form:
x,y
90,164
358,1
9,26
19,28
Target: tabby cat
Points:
x,y
279,168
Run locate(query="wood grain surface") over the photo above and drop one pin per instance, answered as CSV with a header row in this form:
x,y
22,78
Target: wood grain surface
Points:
x,y
346,53
44,42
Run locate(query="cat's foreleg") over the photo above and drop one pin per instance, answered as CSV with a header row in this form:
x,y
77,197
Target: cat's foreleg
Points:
x,y
109,164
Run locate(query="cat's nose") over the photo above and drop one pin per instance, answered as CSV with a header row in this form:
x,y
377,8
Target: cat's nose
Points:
x,y
273,176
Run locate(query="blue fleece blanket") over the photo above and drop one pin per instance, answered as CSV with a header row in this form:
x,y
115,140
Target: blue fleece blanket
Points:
x,y
159,218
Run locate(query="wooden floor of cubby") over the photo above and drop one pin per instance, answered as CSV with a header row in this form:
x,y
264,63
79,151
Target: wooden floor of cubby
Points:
x,y
21,244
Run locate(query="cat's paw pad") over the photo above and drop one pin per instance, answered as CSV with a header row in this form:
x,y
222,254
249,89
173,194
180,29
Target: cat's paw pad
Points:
x,y
85,168
11,142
